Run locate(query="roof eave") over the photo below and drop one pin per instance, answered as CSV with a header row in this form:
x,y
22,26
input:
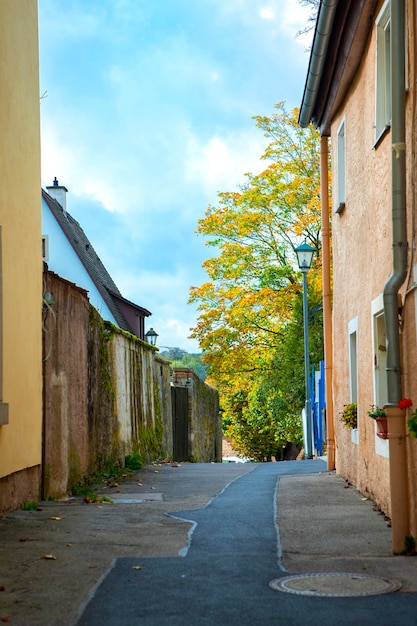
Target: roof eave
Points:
x,y
342,53
325,19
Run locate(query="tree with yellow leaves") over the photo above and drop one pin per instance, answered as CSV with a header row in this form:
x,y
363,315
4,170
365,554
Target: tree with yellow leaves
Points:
x,y
250,321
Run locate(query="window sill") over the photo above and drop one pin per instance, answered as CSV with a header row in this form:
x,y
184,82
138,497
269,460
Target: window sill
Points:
x,y
381,136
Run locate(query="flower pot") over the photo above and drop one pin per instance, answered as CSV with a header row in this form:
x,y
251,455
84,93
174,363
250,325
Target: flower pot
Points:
x,y
382,427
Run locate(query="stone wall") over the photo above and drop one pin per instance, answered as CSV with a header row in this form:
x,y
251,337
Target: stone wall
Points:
x,y
205,425
106,393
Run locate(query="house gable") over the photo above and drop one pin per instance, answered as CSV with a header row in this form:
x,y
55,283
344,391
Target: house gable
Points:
x,y
72,256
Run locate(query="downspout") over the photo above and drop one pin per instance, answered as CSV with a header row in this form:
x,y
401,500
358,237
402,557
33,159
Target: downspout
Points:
x,y
327,303
396,418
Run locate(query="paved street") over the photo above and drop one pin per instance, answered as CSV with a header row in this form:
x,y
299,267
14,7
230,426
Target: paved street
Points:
x,y
233,553
247,524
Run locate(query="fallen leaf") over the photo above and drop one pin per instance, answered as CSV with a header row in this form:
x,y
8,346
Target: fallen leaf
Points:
x,y
364,499
153,487
114,485
140,484
2,587
49,557
55,517
156,471
4,618
137,567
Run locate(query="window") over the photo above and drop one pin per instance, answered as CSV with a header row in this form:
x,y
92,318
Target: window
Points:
x,y
380,360
45,248
380,365
341,168
353,359
383,70
353,368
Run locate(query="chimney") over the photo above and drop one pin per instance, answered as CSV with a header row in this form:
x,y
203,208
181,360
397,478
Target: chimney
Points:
x,y
59,193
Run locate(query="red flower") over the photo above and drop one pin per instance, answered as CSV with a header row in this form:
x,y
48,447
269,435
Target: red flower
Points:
x,y
405,403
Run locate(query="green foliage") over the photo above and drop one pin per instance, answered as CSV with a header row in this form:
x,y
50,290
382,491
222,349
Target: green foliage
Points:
x,y
349,415
412,424
133,462
30,506
83,490
376,411
250,325
181,358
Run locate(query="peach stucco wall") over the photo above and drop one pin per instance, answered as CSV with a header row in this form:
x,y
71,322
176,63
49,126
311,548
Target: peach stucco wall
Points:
x,y
20,221
362,262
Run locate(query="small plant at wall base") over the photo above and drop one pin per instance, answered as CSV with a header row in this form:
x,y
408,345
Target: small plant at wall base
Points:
x,y
376,412
349,415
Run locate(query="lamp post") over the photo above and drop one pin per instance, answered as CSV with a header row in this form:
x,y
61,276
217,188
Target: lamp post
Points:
x,y
304,257
151,336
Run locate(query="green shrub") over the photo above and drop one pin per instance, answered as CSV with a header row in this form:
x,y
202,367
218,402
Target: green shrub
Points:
x,y
133,462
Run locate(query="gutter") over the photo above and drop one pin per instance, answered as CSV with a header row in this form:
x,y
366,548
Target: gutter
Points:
x,y
325,19
399,225
398,471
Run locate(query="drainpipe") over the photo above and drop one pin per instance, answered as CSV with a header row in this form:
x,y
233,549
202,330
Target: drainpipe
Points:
x,y
396,417
327,303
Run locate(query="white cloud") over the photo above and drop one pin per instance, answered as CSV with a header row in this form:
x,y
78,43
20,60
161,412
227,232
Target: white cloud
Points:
x,y
166,295
266,13
221,162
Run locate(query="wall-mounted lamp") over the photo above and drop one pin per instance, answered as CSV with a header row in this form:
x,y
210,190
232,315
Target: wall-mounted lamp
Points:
x,y
48,298
151,336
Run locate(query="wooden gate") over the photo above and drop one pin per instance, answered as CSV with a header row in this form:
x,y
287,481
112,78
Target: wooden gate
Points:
x,y
179,401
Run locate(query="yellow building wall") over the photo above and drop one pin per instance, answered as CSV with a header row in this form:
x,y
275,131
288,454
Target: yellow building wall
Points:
x,y
20,221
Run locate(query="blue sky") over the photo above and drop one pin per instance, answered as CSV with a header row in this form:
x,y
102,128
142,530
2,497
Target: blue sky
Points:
x,y
147,115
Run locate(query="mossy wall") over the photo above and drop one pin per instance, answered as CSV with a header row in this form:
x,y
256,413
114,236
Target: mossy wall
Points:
x,y
141,387
205,427
65,385
106,393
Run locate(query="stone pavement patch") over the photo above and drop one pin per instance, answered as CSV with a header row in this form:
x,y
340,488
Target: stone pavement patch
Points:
x,y
134,498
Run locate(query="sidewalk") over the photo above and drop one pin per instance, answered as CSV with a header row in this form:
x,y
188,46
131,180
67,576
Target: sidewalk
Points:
x,y
328,526
52,558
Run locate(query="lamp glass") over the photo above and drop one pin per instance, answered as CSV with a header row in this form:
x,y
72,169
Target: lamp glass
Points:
x,y
304,256
151,336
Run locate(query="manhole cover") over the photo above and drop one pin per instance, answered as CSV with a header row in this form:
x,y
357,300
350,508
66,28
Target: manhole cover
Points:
x,y
334,585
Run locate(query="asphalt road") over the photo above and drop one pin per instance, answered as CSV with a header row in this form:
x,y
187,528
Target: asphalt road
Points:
x,y
222,576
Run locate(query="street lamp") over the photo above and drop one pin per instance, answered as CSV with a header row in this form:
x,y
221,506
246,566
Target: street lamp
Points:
x,y
151,336
304,257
